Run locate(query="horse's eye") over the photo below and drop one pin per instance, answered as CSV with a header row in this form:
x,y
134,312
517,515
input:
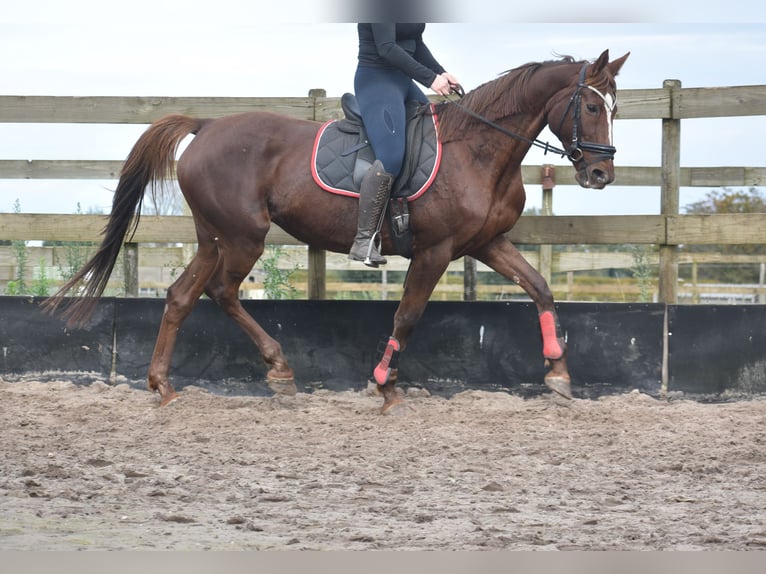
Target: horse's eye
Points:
x,y
592,108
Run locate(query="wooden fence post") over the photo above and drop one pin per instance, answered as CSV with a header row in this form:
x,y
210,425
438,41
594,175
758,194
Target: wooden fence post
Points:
x,y
317,263
470,276
130,268
671,179
317,274
548,176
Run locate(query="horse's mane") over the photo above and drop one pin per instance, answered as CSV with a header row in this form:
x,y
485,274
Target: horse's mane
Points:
x,y
504,96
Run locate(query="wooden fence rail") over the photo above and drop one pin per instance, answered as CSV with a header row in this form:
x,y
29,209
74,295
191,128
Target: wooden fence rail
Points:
x,y
716,229
158,266
670,104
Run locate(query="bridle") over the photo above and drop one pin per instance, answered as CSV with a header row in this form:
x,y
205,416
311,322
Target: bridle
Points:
x,y
576,148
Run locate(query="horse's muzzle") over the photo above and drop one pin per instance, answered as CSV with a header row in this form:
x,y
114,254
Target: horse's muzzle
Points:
x,y
595,169
596,176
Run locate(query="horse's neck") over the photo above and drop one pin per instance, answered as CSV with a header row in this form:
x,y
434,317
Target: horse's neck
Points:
x,y
512,142
532,118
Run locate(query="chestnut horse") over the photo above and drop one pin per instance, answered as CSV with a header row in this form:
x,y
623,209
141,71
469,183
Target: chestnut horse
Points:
x,y
243,172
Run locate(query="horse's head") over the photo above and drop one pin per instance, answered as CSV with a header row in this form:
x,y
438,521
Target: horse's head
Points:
x,y
581,116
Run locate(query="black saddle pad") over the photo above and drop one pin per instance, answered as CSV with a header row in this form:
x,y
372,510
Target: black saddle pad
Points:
x,y
342,155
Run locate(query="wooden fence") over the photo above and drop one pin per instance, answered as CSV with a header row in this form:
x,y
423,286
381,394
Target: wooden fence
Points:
x,y
159,266
670,104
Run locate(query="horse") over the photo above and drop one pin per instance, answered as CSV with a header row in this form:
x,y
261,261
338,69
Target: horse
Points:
x,y
241,173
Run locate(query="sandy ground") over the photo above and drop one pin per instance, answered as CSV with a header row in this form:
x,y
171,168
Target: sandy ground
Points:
x,y
103,467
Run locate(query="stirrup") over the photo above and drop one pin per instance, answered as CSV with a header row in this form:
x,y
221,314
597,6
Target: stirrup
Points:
x,y
368,260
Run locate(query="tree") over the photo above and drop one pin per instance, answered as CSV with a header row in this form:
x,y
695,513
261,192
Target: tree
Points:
x,y
728,200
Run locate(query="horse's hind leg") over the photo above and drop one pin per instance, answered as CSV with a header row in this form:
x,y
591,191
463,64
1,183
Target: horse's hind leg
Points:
x,y
502,256
181,298
223,288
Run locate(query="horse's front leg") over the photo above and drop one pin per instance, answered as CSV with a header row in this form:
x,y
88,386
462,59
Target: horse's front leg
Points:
x,y
502,256
422,276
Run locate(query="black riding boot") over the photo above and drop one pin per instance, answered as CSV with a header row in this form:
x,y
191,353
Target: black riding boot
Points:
x,y
373,194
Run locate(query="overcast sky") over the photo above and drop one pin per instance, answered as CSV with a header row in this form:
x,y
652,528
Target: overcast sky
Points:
x,y
238,48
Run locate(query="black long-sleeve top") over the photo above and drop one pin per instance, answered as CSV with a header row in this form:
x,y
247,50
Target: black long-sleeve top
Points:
x,y
398,46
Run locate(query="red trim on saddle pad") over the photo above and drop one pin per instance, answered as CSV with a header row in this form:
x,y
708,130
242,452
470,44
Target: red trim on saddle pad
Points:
x,y
314,173
437,161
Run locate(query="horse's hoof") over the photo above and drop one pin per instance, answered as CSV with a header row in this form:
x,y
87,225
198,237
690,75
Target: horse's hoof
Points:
x,y
559,385
169,398
395,408
283,387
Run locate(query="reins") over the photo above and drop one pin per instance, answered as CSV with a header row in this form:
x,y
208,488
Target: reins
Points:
x,y
458,89
575,151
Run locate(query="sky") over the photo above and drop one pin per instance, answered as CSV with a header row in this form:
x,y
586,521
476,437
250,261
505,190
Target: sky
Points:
x,y
241,48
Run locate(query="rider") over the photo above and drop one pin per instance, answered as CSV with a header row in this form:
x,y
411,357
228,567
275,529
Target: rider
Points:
x,y
391,56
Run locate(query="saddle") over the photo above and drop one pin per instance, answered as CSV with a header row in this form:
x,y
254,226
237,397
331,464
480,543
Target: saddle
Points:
x,y
342,155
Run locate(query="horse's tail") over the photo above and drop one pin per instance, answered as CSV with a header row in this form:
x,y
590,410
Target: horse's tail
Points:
x,y
151,162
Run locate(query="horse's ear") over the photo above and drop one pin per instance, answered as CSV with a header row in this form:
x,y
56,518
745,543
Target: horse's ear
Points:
x,y
598,66
616,65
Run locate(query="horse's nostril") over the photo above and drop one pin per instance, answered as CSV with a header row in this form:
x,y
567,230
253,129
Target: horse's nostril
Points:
x,y
599,176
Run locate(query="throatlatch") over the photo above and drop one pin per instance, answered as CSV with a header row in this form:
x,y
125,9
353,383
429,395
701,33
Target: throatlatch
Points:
x,y
388,362
553,347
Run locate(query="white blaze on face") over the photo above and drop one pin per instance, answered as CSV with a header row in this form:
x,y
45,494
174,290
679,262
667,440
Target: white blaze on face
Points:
x,y
609,103
609,106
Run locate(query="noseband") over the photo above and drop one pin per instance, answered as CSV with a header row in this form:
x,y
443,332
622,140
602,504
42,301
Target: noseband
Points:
x,y
575,150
